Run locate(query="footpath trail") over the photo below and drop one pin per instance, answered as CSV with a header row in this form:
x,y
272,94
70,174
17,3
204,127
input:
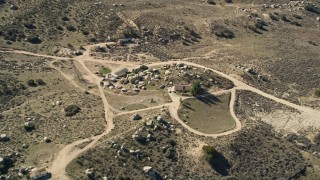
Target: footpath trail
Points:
x,y
70,152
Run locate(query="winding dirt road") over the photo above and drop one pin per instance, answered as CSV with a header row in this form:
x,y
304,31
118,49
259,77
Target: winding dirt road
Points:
x,y
70,152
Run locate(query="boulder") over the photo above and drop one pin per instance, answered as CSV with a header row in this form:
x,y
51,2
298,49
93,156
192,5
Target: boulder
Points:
x,y
147,169
4,137
162,86
46,140
58,103
136,117
167,72
89,172
13,7
149,123
134,136
29,124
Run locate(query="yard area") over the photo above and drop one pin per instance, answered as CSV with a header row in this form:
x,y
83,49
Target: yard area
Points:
x,y
208,114
104,71
143,99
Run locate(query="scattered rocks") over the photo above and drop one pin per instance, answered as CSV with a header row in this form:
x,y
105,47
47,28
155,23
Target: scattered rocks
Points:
x,y
149,123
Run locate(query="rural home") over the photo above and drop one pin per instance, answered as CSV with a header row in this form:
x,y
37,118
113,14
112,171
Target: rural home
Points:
x,y
37,174
120,72
182,88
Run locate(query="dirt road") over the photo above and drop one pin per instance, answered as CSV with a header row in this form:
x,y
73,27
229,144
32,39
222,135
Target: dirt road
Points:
x,y
69,152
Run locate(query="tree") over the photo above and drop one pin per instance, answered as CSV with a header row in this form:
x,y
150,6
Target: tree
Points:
x,y
312,8
65,18
71,28
72,110
40,82
216,160
196,88
34,39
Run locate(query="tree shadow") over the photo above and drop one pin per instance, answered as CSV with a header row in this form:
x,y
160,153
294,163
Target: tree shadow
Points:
x,y
187,106
209,99
220,164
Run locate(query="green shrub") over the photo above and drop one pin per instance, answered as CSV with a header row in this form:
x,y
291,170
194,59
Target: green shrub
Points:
x,y
273,17
317,92
71,110
60,28
223,32
253,28
65,18
211,2
297,16
285,18
317,139
31,83
129,33
260,24
295,23
71,28
85,33
34,39
208,149
140,69
40,82
29,25
312,8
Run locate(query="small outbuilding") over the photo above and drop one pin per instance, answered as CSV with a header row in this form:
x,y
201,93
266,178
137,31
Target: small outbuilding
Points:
x,y
39,174
182,88
120,73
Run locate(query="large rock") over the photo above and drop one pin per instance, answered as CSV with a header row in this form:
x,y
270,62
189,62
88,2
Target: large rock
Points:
x,y
149,123
89,172
29,124
136,117
46,140
4,137
147,169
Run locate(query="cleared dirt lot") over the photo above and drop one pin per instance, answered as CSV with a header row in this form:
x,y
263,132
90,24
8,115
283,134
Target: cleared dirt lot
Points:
x,y
139,101
207,114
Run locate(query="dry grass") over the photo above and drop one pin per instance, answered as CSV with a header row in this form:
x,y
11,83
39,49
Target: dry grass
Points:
x,y
207,114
